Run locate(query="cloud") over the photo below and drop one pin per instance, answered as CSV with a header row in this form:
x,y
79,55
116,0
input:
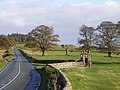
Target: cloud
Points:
x,y
24,15
112,4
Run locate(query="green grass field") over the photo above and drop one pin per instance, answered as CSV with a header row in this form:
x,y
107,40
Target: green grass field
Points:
x,y
98,77
53,55
104,74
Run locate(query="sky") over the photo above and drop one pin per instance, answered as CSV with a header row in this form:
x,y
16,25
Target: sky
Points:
x,y
66,16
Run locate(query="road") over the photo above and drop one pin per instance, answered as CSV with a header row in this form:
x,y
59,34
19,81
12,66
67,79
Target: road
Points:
x,y
19,74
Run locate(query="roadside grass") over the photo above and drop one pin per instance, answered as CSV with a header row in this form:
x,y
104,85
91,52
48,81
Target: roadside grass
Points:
x,y
4,62
44,77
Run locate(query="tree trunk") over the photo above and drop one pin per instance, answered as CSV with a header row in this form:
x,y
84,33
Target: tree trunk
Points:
x,y
66,50
109,54
43,52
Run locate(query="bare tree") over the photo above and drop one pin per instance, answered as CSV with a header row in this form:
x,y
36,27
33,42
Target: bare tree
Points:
x,y
45,37
109,35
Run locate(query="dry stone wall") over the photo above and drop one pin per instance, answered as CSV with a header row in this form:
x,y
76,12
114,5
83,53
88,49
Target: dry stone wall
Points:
x,y
66,64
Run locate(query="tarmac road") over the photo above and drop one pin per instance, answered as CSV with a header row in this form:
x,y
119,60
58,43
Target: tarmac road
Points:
x,y
19,74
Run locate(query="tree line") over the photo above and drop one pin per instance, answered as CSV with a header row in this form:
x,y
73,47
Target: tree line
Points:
x,y
105,37
9,41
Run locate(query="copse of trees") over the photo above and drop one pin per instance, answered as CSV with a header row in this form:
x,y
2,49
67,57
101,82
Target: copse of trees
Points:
x,y
5,42
44,37
106,37
8,41
19,38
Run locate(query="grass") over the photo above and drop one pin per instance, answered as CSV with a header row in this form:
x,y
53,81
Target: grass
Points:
x,y
104,74
48,75
102,57
98,77
2,64
2,61
44,77
60,55
54,55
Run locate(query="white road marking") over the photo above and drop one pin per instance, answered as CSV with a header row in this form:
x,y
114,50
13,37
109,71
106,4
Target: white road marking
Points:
x,y
12,79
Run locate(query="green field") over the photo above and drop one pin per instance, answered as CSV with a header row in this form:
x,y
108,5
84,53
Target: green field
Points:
x,y
53,55
60,55
98,77
104,74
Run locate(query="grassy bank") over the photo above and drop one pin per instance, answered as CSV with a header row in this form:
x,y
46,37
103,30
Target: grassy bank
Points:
x,y
3,62
44,78
51,79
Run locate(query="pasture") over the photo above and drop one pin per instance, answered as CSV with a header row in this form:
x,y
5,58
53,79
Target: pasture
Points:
x,y
104,74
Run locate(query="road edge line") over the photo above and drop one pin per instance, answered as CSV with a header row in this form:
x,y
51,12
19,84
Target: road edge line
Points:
x,y
12,79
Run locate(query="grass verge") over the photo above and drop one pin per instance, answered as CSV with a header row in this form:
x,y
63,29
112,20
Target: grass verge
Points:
x,y
44,77
3,62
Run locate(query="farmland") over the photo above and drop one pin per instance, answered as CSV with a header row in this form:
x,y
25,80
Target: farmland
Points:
x,y
103,74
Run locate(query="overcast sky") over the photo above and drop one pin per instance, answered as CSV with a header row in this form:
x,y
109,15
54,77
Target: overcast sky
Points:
x,y
66,16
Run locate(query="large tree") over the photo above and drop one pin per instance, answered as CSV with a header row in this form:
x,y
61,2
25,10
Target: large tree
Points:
x,y
45,37
109,35
87,37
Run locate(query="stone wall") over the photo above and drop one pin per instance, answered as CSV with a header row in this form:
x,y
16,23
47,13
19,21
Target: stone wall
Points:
x,y
68,85
66,64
